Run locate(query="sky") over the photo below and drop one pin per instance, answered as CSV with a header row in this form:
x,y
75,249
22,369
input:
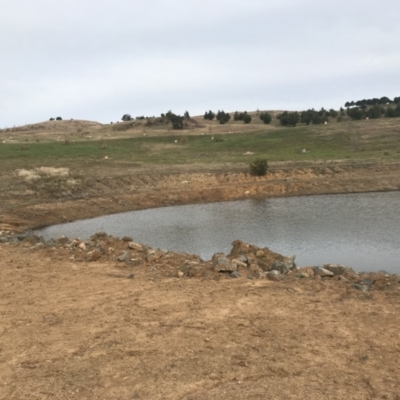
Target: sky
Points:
x,y
99,59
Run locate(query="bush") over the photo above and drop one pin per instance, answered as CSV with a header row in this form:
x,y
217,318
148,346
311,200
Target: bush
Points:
x,y
209,115
258,167
266,117
223,117
126,117
59,119
289,118
247,118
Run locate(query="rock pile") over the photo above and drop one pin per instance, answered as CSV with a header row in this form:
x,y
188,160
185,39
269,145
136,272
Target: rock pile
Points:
x,y
244,261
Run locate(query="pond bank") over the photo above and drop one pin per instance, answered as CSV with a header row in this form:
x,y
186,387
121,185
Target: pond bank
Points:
x,y
25,205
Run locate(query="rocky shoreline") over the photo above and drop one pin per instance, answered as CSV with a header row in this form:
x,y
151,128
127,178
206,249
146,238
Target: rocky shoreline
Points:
x,y
244,261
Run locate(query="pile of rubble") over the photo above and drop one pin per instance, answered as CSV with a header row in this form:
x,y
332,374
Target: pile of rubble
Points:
x,y
244,261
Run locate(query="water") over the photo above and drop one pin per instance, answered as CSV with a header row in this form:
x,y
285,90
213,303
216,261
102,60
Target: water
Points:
x,y
359,230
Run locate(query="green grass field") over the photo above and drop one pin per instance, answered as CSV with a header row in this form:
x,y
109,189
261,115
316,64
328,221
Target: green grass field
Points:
x,y
337,141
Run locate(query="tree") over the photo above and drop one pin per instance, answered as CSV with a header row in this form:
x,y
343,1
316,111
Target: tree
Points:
x,y
247,118
186,115
289,118
374,112
355,113
209,115
126,117
223,117
58,119
51,119
176,120
266,117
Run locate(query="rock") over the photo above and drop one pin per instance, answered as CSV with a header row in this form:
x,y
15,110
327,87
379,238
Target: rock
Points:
x,y
131,276
125,257
338,269
367,282
263,265
260,253
51,243
281,267
38,245
242,258
127,239
82,246
274,276
136,261
239,263
180,274
135,246
362,288
93,255
302,275
223,264
63,240
322,272
235,275
342,279
4,239
307,270
99,236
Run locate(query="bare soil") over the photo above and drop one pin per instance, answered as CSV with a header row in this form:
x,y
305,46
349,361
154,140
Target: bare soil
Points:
x,y
74,329
70,328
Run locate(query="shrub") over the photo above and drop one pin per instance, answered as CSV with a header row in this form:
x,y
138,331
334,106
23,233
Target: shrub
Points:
x,y
289,118
266,117
126,117
59,119
258,167
209,115
247,118
223,117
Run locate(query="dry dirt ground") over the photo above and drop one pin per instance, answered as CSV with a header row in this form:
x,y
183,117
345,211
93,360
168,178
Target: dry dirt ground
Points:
x,y
74,329
151,329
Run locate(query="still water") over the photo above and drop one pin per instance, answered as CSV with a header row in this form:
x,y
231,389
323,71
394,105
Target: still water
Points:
x,y
359,230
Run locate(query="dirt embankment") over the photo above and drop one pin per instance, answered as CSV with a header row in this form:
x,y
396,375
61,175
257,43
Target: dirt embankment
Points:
x,y
26,204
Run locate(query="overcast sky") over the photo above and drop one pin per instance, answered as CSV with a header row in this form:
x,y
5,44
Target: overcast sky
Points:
x,y
99,59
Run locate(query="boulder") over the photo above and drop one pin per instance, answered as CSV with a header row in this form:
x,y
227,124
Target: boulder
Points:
x,y
125,257
239,263
362,288
274,276
63,240
339,269
93,255
223,264
322,272
135,246
127,239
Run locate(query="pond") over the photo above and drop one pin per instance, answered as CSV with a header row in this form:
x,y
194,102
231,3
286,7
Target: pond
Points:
x,y
360,230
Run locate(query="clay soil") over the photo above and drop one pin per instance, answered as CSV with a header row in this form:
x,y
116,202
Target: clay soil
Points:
x,y
74,329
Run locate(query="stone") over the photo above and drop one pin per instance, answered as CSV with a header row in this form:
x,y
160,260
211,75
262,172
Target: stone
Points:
x,y
131,276
235,275
260,253
51,243
239,263
274,276
93,255
242,258
82,246
362,288
4,239
180,274
125,257
302,275
307,270
63,240
127,239
367,282
135,246
223,264
338,269
281,267
322,272
342,279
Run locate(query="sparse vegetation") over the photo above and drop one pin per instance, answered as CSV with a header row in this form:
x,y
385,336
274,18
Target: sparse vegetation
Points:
x,y
258,167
